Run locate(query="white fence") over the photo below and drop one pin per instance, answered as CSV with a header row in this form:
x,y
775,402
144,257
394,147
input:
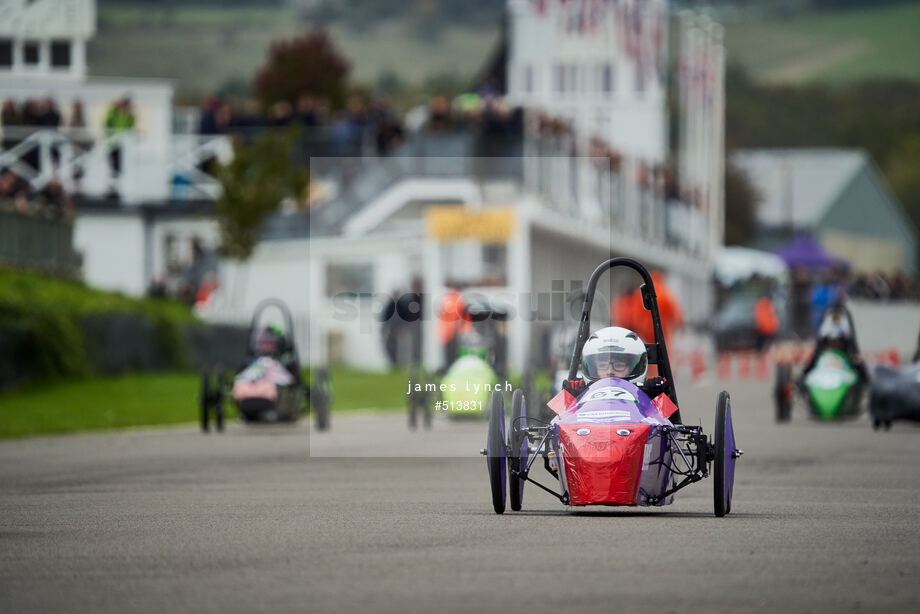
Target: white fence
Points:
x,y
84,164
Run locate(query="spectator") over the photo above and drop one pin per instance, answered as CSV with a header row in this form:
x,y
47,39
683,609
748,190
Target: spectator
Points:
x,y
204,294
409,310
119,120
11,185
878,287
54,200
80,136
439,115
15,189
627,311
223,118
32,117
389,330
157,288
282,114
51,118
823,294
207,122
452,321
388,128
766,322
307,112
11,117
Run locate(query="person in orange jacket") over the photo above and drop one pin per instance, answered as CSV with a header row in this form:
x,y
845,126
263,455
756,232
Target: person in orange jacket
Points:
x,y
627,311
453,319
766,322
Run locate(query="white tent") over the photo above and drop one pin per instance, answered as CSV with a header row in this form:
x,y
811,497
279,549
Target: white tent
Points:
x,y
739,263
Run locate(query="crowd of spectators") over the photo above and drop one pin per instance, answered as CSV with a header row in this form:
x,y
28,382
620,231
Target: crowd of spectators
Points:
x,y
376,122
348,126
880,286
20,120
51,200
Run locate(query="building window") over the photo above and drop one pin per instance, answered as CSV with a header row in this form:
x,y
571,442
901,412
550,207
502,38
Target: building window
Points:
x,y
495,262
606,79
528,79
31,53
60,54
6,53
351,279
559,78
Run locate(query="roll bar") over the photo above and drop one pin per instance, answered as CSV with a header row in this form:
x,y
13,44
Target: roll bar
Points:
x,y
657,350
288,324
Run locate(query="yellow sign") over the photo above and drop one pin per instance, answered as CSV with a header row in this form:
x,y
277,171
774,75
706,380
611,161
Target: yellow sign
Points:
x,y
458,222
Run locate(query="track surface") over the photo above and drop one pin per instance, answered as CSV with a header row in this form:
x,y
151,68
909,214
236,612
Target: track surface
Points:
x,y
825,519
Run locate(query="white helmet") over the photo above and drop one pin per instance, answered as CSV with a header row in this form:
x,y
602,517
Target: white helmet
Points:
x,y
614,352
835,326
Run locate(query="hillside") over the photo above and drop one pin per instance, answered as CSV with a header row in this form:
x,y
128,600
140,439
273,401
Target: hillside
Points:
x,y
831,46
204,48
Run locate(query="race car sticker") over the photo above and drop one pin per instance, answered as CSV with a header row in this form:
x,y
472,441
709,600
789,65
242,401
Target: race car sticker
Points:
x,y
603,413
605,420
609,393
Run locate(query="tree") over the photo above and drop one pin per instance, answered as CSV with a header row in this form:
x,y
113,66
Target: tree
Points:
x,y
260,175
903,173
306,64
741,200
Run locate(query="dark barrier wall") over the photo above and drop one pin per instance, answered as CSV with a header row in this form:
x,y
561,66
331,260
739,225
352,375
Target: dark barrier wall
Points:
x,y
119,342
217,345
37,241
122,342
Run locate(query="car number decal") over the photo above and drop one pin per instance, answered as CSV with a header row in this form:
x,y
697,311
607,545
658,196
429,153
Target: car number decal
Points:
x,y
609,393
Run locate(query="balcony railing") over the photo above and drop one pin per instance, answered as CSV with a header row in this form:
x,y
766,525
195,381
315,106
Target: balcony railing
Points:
x,y
122,163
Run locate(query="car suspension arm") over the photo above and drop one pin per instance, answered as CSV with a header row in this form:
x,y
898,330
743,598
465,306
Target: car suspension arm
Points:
x,y
690,479
563,498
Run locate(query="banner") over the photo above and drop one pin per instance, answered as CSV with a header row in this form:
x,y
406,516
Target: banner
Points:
x,y
459,222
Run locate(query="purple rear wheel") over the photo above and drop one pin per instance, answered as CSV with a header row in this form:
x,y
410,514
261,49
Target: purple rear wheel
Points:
x,y
496,456
518,449
725,456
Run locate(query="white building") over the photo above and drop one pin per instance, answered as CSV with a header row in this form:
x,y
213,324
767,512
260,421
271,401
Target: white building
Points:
x,y
42,56
585,182
588,177
601,65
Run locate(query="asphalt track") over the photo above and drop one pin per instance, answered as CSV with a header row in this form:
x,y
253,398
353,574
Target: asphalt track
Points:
x,y
825,519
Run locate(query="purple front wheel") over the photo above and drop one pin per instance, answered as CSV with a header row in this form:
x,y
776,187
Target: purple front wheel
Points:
x,y
496,456
518,449
725,456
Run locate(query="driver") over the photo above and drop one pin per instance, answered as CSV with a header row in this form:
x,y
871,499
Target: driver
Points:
x,y
835,333
274,343
615,352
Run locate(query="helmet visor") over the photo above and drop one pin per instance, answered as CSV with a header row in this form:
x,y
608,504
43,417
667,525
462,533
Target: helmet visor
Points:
x,y
613,363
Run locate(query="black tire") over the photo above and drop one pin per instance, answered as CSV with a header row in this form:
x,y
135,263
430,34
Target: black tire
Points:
x,y
516,439
321,399
411,404
722,500
204,401
876,424
495,452
427,402
222,384
783,393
